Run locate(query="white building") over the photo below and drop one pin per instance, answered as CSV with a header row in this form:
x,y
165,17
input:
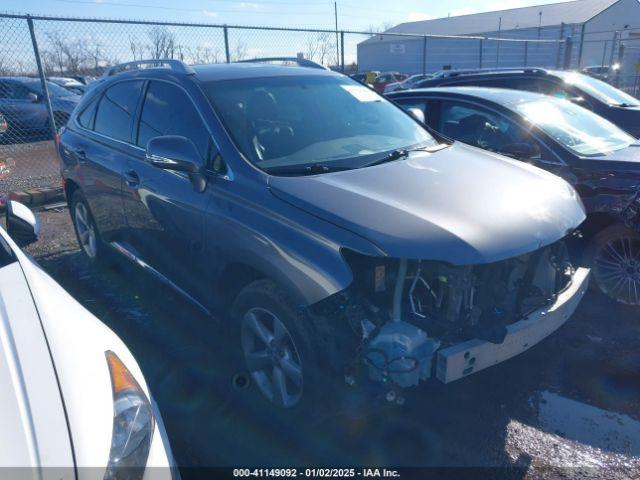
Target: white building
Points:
x,y
601,32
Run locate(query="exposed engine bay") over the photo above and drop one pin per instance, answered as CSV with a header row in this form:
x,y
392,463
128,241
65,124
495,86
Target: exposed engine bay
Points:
x,y
403,311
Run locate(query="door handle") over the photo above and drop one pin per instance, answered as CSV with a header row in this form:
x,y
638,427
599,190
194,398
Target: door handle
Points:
x,y
81,154
132,178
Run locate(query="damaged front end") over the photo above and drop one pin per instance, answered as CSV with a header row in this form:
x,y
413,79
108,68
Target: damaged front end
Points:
x,y
418,319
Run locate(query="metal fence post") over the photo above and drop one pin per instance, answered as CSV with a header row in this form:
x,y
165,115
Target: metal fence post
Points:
x,y
226,43
568,47
604,53
526,52
560,40
43,80
342,51
424,54
581,47
480,54
613,49
619,60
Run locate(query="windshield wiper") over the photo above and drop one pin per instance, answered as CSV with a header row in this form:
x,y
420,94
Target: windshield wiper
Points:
x,y
404,152
624,105
313,169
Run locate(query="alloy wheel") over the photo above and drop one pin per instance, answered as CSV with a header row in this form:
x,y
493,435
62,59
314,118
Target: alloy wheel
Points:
x,y
86,230
616,267
271,357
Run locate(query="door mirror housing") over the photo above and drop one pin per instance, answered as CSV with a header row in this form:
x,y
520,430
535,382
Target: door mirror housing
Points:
x,y
417,114
33,97
173,152
521,150
22,225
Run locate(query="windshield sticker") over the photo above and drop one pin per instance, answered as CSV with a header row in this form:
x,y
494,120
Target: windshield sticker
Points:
x,y
362,93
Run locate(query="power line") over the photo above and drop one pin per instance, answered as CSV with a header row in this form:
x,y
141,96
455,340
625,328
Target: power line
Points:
x,y
159,7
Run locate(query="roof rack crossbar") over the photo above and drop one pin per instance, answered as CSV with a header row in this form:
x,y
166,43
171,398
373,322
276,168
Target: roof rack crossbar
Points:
x,y
471,71
302,62
175,65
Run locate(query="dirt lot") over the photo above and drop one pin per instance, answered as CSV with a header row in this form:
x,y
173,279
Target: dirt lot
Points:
x,y
568,406
28,165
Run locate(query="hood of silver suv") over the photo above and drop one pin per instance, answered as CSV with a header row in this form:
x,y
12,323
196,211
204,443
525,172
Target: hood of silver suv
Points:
x,y
461,205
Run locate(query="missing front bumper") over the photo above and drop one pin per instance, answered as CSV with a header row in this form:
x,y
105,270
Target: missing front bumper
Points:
x,y
469,357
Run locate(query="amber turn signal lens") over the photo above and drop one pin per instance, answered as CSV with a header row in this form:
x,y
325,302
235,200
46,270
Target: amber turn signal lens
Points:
x,y
121,378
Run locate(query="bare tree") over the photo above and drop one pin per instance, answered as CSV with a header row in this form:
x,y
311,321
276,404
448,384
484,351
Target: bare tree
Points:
x,y
163,43
322,49
137,49
203,54
239,52
68,55
383,27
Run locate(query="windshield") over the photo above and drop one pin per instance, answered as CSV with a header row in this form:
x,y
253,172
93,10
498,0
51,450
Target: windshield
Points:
x,y
295,122
598,89
54,90
576,128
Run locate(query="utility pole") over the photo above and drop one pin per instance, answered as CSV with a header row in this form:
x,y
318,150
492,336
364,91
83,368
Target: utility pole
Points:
x,y
335,11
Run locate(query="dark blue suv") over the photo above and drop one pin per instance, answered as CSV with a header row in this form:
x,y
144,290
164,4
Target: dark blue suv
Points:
x,y
618,107
336,230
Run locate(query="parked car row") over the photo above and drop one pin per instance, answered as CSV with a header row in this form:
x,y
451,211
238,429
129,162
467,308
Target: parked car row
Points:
x,y
360,246
387,81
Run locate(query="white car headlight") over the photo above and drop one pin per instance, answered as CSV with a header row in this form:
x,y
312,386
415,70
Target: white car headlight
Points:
x,y
133,424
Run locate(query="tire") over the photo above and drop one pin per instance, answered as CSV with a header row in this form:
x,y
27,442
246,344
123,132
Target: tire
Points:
x,y
614,256
85,227
283,360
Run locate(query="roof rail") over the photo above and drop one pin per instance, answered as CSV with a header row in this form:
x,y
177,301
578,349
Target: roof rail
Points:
x,y
175,65
302,62
471,71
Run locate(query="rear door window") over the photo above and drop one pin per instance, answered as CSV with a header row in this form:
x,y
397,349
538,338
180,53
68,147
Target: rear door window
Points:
x,y
116,110
422,105
167,110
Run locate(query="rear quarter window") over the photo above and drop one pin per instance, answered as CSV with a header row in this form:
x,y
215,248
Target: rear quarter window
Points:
x,y
87,114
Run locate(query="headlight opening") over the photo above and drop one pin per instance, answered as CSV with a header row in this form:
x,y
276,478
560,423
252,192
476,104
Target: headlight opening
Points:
x,y
133,424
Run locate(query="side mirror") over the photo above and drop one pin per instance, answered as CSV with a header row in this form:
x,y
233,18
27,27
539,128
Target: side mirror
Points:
x,y
34,97
22,225
521,150
417,114
173,152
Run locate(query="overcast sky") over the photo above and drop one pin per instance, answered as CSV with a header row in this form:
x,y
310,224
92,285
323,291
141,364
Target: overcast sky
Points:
x,y
352,14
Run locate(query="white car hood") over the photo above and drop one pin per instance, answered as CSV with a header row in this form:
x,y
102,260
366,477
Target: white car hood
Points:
x,y
33,429
77,341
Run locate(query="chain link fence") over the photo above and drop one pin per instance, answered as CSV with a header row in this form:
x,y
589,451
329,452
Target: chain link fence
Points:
x,y
46,62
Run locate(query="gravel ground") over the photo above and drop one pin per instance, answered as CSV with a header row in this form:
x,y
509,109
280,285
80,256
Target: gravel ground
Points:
x,y
568,407
28,165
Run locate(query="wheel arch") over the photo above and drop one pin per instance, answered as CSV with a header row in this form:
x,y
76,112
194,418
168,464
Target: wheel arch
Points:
x,y
70,186
306,283
596,222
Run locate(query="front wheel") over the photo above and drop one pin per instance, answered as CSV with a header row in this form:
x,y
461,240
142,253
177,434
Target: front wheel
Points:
x,y
614,255
85,227
279,347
